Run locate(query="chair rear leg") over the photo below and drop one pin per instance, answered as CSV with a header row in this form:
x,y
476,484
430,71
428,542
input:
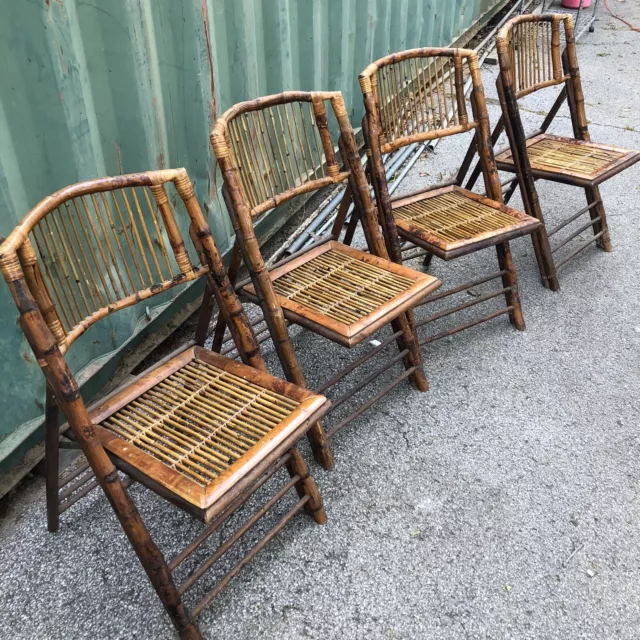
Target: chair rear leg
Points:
x,y
306,486
604,241
52,461
510,280
409,341
426,263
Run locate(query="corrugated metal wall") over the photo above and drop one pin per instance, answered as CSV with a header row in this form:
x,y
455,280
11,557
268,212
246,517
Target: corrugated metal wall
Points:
x,y
95,88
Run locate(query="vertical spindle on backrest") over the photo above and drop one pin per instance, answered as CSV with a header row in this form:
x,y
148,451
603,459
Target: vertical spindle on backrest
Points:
x,y
320,114
132,239
555,48
463,117
122,255
171,227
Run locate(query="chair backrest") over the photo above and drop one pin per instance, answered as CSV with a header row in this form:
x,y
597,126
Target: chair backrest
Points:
x,y
95,247
418,95
275,148
102,245
529,51
279,146
530,58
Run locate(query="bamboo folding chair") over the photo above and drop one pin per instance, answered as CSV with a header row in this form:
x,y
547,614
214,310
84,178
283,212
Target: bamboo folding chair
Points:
x,y
419,95
278,147
530,58
201,430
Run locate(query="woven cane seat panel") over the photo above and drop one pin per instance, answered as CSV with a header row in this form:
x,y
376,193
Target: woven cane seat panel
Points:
x,y
200,420
569,157
340,286
453,216
581,160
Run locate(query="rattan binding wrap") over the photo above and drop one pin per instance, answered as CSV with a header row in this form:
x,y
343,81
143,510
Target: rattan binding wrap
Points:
x,y
340,287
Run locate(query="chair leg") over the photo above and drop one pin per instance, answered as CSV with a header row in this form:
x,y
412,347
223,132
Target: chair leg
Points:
x,y
184,624
540,239
52,461
150,556
319,442
545,261
351,228
409,340
510,280
158,572
426,263
306,486
593,195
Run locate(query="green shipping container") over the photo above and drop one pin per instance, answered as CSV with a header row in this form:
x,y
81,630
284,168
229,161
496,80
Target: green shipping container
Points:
x,y
99,88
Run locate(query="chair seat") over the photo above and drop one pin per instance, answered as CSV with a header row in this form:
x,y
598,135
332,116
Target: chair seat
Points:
x,y
346,294
571,161
201,422
452,221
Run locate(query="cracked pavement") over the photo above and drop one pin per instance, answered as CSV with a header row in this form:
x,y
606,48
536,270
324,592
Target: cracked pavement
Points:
x,y
503,503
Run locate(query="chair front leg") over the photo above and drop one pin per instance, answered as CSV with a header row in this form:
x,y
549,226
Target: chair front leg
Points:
x,y
510,282
150,556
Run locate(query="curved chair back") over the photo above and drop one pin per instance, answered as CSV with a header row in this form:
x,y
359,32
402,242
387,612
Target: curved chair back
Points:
x,y
102,245
419,95
529,51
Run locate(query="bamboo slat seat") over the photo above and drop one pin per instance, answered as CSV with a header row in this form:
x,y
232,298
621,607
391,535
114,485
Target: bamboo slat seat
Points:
x,y
452,221
574,161
201,422
349,293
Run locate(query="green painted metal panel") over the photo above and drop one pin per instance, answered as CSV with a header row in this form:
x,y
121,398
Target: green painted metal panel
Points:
x,y
95,88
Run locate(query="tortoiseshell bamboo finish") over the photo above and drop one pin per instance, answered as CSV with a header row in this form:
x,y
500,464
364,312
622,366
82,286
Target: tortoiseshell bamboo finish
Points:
x,y
530,59
419,95
203,431
271,150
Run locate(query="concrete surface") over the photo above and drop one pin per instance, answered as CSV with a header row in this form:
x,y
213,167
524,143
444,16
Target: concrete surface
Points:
x,y
503,503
